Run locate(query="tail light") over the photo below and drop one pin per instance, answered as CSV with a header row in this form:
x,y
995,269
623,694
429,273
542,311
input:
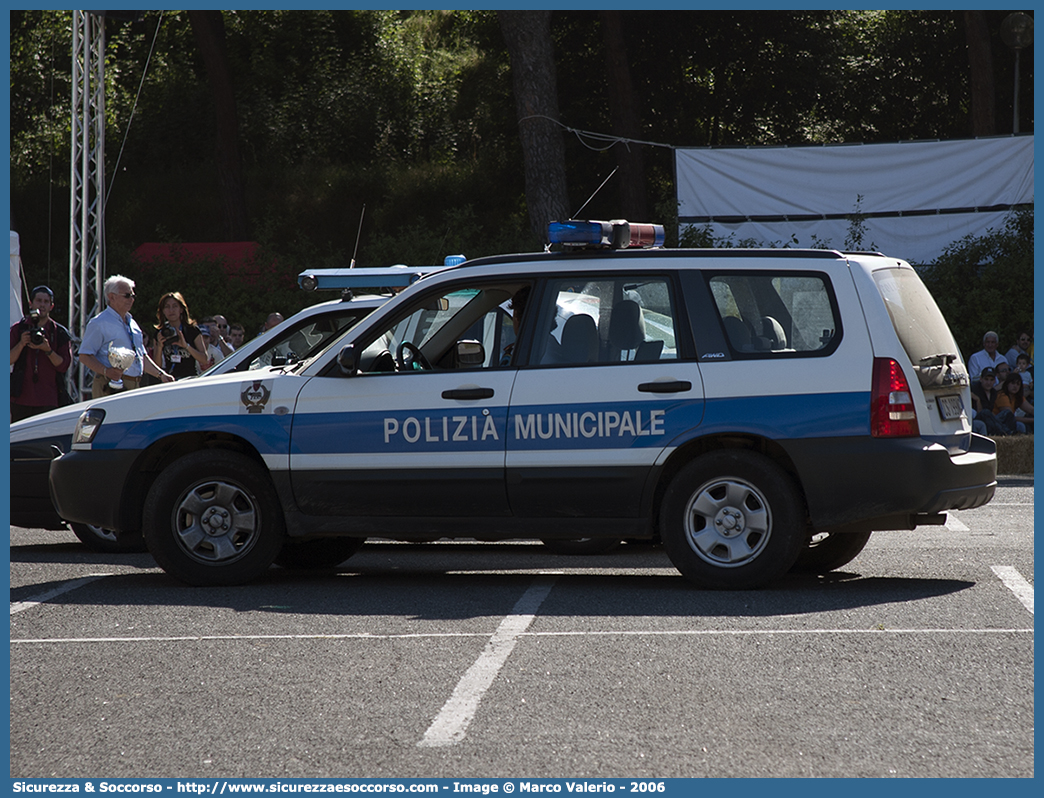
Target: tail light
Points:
x,y
892,412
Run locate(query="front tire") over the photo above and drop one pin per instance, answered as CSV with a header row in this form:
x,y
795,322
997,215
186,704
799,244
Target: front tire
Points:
x,y
732,520
107,541
212,518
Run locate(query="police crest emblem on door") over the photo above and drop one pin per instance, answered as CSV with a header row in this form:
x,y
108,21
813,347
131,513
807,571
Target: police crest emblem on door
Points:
x,y
255,396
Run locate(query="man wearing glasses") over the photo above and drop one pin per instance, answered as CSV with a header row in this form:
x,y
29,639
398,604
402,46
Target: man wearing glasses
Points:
x,y
1022,347
116,326
222,333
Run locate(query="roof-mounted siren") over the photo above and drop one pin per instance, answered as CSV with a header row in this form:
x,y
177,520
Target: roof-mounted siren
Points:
x,y
642,235
617,234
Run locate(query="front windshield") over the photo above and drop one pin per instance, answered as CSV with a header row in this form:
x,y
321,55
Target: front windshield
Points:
x,y
299,341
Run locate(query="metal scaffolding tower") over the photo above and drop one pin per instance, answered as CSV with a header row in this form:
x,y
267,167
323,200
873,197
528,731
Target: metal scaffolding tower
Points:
x,y
87,181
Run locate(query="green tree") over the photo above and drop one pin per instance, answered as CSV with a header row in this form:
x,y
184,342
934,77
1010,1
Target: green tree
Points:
x,y
986,283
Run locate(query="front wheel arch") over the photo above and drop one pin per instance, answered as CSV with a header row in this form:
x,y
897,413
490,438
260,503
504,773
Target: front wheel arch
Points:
x,y
161,454
212,518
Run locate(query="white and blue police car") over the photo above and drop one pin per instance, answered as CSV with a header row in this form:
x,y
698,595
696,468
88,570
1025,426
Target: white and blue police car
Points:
x,y
755,410
36,440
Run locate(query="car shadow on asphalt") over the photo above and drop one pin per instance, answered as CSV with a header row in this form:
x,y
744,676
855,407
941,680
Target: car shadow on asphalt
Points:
x,y
460,581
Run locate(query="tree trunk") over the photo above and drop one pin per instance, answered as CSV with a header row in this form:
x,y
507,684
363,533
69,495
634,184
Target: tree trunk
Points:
x,y
209,30
528,38
629,159
980,61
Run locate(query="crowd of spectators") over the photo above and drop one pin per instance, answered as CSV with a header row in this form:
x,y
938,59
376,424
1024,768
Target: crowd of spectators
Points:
x,y
121,354
1002,386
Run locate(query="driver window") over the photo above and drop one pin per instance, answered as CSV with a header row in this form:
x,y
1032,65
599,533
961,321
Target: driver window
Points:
x,y
462,328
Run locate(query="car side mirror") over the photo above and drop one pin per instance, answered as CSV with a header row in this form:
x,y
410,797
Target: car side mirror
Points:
x,y
347,361
470,354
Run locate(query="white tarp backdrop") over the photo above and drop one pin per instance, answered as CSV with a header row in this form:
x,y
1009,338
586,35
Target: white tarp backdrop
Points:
x,y
915,197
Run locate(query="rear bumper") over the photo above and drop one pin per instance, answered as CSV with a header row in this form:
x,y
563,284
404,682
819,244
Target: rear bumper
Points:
x,y
887,484
80,495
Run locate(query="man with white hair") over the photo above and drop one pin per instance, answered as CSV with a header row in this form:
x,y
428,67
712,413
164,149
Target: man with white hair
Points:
x,y
116,327
987,357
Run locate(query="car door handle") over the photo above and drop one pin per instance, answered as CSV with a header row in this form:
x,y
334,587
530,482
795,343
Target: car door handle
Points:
x,y
468,393
672,386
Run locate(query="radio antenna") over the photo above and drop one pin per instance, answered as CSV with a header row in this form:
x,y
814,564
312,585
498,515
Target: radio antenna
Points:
x,y
577,214
358,235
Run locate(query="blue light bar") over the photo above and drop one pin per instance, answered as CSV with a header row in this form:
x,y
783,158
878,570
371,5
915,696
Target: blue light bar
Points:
x,y
340,279
574,233
617,234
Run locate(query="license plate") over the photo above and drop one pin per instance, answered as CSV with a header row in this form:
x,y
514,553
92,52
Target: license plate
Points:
x,y
950,407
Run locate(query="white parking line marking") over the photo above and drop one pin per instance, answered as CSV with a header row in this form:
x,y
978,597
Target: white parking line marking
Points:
x,y
19,606
1016,583
586,633
452,721
955,525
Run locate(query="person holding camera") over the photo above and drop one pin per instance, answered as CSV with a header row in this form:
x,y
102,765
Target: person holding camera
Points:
x,y
115,328
41,355
179,346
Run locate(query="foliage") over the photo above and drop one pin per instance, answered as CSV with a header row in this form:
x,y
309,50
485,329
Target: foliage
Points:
x,y
410,114
985,283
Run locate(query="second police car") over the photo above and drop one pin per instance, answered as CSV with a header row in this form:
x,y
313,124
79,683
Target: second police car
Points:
x,y
756,410
35,441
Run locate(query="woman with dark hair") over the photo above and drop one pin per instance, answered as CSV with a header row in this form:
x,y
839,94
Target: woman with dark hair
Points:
x,y
179,346
1012,397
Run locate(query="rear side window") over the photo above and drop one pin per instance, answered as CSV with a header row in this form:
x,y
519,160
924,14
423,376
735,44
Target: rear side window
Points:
x,y
768,315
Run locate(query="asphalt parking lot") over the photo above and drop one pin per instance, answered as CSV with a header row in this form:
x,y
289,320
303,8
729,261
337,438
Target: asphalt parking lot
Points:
x,y
465,659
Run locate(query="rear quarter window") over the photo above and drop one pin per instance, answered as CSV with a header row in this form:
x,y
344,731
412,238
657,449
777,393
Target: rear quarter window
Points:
x,y
919,324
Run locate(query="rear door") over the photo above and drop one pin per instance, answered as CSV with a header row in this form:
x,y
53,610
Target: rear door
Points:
x,y
610,381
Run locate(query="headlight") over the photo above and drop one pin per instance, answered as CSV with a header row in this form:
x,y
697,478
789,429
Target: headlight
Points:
x,y
88,425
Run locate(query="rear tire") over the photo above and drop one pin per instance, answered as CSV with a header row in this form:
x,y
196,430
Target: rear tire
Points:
x,y
106,540
732,520
212,518
317,555
829,551
581,545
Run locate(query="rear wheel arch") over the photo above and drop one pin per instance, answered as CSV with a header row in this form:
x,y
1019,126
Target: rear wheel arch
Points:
x,y
733,519
697,447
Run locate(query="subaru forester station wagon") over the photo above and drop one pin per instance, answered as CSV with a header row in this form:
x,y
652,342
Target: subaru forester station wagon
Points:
x,y
757,411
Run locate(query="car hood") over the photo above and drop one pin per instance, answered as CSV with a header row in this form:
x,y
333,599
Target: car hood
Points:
x,y
53,423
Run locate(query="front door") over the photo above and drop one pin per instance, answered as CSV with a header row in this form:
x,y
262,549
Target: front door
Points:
x,y
419,430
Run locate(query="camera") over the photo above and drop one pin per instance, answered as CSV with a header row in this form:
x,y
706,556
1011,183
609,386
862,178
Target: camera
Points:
x,y
36,333
167,332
